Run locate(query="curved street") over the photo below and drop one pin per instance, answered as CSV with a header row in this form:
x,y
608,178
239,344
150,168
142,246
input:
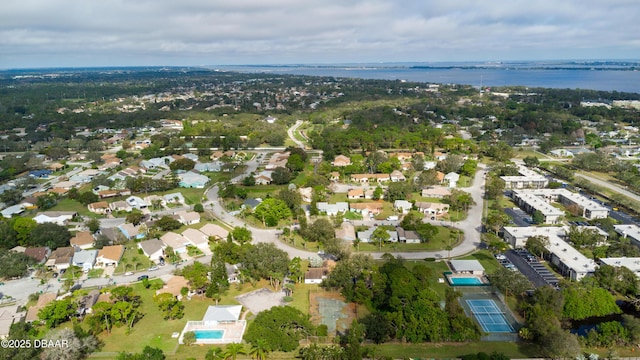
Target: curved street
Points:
x,y
471,226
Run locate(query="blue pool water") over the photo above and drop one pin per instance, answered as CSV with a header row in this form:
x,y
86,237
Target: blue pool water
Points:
x,y
209,334
465,281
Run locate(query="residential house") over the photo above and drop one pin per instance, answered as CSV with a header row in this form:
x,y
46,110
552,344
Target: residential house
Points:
x,y
278,160
83,240
85,259
176,241
40,174
452,179
109,255
155,199
57,217
66,185
39,254
198,239
43,300
403,156
188,217
407,236
440,177
360,178
372,208
120,205
432,210
315,275
174,198
209,167
264,178
334,176
396,176
214,231
251,203
436,192
233,273
100,207
153,249
191,179
104,194
403,206
365,236
333,209
439,155
428,165
60,258
131,231
8,316
13,210
216,155
190,156
137,203
357,193
341,161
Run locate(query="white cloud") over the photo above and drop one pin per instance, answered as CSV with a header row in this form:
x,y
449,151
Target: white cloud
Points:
x,y
191,32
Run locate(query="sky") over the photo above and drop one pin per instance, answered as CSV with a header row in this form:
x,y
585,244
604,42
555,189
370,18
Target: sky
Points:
x,y
90,33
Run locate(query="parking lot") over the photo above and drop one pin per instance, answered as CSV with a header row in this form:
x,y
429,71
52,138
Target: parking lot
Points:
x,y
530,267
519,217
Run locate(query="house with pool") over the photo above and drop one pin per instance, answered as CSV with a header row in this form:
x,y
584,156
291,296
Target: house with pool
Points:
x,y
221,324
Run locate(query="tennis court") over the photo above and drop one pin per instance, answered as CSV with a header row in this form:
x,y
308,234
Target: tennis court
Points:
x,y
491,319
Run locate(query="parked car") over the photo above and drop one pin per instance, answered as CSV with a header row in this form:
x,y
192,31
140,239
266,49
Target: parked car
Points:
x,y
153,268
142,277
128,273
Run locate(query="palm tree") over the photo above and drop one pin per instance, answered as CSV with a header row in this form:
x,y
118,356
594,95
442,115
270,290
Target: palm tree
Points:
x,y
233,350
215,353
136,262
259,350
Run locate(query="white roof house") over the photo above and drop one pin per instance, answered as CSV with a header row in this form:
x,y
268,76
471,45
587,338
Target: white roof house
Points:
x,y
537,199
190,179
222,313
527,179
333,209
631,232
137,203
85,259
188,217
452,178
174,198
176,241
467,266
215,231
402,205
56,217
197,238
13,210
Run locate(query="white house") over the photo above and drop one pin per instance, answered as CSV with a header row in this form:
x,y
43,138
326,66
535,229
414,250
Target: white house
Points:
x,y
176,241
153,249
452,179
402,205
188,217
85,259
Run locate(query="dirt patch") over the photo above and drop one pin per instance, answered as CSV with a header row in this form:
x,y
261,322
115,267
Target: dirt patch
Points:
x,y
260,300
330,308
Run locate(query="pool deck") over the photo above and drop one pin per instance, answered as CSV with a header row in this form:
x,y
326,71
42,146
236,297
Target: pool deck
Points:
x,y
233,331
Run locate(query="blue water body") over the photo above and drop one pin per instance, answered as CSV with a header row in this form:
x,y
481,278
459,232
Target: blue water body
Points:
x,y
209,334
608,78
465,281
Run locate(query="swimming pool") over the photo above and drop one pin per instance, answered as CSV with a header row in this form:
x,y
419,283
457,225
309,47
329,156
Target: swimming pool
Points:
x,y
209,334
465,281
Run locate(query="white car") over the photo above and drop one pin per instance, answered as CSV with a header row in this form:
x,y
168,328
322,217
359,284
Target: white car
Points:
x,y
129,273
153,268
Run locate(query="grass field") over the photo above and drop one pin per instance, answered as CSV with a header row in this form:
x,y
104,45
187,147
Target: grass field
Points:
x,y
486,259
455,350
439,242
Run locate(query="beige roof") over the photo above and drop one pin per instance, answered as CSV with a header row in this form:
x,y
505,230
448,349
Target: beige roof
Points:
x,y
43,300
82,238
196,237
215,231
113,252
174,240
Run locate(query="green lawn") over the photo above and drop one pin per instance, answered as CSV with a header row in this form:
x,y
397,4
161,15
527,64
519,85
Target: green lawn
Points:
x,y
439,242
487,260
132,256
192,196
337,197
72,205
455,350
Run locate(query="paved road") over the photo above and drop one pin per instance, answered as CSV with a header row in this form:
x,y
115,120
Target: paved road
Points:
x,y
471,226
291,131
610,186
